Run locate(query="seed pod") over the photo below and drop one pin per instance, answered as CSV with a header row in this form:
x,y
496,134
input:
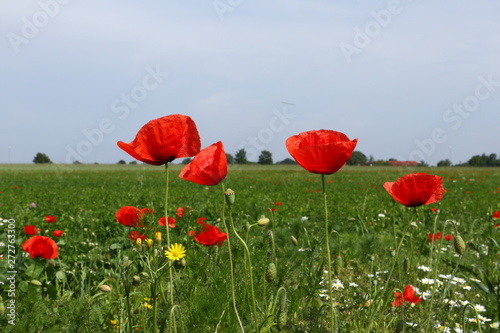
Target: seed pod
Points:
x,y
36,283
459,245
282,317
271,272
229,195
294,241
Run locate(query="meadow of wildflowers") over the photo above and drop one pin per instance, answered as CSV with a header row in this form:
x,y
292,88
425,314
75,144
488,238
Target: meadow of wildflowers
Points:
x,y
310,248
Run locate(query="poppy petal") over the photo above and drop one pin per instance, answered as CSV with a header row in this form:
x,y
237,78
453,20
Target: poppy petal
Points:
x,y
164,139
207,168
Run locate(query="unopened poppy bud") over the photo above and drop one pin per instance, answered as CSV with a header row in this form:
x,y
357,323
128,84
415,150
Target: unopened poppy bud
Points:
x,y
183,262
368,303
271,272
229,195
282,319
36,283
105,288
392,252
263,221
158,236
459,245
338,264
294,241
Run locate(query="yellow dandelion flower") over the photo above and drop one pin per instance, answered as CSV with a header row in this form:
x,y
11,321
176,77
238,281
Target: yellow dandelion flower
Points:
x,y
114,322
175,252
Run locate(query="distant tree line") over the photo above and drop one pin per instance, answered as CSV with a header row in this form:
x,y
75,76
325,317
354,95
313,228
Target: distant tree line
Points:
x,y
357,158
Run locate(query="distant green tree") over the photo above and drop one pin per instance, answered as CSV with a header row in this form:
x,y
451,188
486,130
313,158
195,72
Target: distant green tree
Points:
x,y
121,162
186,160
357,158
423,164
41,158
477,161
229,158
265,157
287,160
444,163
241,156
132,162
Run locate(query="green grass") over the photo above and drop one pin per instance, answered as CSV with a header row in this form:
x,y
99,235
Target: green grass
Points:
x,y
366,224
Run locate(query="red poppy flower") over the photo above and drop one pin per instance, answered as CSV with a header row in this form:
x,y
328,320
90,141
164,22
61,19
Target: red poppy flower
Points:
x,y
57,233
133,235
434,237
496,215
497,225
416,189
209,235
132,216
207,168
41,246
171,221
179,212
449,237
321,151
278,203
31,230
50,219
164,139
407,296
434,210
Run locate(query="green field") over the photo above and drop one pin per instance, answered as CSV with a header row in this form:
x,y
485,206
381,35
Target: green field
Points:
x,y
376,251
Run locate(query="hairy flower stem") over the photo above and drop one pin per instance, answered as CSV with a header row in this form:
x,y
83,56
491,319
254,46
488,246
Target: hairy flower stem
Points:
x,y
249,266
170,270
329,256
231,268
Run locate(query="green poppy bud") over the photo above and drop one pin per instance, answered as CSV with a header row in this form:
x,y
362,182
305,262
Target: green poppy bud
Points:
x,y
459,245
271,272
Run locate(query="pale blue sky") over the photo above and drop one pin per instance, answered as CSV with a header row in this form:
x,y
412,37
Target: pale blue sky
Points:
x,y
410,79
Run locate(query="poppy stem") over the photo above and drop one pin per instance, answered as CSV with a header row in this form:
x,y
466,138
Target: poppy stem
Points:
x,y
231,268
329,256
170,270
248,264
